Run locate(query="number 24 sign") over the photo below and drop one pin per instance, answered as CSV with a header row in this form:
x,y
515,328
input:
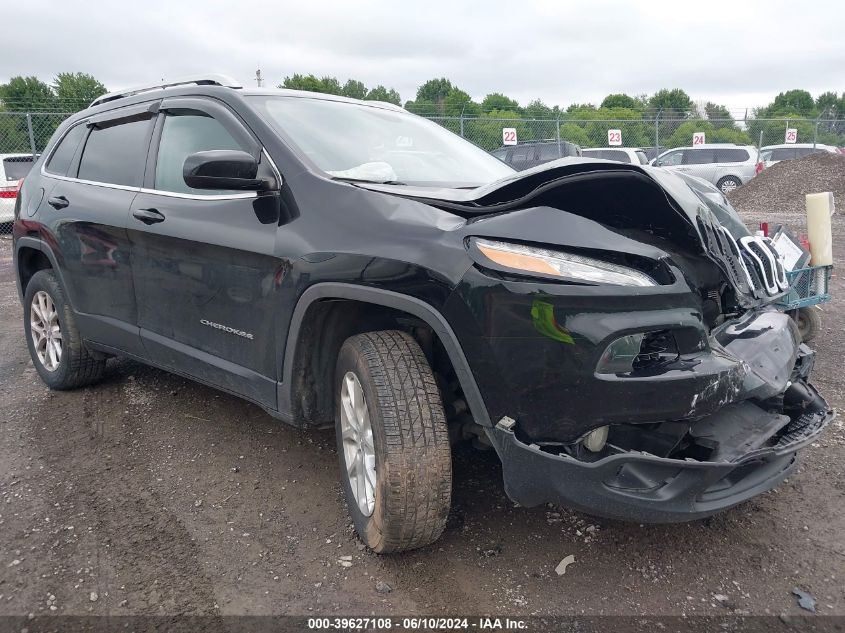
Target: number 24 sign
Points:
x,y
698,138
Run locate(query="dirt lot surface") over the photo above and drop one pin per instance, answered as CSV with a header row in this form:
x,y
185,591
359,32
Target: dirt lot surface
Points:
x,y
149,494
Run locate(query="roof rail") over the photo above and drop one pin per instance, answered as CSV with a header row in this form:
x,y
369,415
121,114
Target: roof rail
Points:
x,y
197,80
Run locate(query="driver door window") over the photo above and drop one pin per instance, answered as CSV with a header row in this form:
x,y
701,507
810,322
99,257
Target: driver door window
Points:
x,y
671,159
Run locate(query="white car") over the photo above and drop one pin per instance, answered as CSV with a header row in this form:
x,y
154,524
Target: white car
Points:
x,y
725,165
619,154
13,167
771,154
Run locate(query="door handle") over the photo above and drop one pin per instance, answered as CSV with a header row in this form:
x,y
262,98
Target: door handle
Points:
x,y
148,216
58,202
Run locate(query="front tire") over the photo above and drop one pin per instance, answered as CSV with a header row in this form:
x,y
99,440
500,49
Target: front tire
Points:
x,y
55,345
393,446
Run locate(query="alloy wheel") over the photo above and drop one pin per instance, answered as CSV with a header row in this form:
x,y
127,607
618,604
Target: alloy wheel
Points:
x,y
45,331
359,452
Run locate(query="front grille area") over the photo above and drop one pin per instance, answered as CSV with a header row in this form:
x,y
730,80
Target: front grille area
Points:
x,y
752,263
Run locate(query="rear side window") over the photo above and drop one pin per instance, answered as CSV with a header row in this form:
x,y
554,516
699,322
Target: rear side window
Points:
x,y
642,157
615,154
116,154
17,167
522,154
699,156
552,152
783,153
65,151
591,153
730,155
181,136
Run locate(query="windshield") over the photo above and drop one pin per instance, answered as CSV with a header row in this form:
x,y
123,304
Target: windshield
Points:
x,y
359,142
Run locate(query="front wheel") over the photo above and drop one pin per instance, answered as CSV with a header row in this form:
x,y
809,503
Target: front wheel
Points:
x,y
393,446
728,183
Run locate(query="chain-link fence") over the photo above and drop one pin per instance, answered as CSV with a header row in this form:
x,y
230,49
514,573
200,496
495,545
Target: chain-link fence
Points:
x,y
29,132
488,132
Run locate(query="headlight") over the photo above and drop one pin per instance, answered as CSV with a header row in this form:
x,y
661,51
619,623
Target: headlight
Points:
x,y
526,259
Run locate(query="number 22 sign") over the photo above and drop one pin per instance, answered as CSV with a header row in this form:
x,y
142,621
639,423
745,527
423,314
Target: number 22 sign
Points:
x,y
509,135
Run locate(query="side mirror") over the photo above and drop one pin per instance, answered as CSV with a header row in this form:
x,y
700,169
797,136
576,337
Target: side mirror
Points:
x,y
224,169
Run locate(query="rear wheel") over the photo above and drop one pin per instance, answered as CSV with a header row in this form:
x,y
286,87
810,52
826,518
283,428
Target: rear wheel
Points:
x,y
58,353
728,183
393,446
809,322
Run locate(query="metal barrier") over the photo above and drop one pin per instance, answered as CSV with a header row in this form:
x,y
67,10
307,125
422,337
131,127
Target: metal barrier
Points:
x,y
29,132
650,130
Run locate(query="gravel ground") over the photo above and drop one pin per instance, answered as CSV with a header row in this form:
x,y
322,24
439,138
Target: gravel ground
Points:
x,y
149,494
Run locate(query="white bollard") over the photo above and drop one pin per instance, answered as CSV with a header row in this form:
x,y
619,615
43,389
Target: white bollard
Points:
x,y
819,209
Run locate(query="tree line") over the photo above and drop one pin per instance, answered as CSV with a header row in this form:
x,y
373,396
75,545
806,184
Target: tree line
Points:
x,y
672,111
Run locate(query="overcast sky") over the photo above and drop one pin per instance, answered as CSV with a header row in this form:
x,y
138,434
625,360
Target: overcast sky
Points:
x,y
738,53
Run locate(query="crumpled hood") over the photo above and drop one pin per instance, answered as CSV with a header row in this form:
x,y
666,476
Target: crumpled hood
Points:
x,y
718,227
492,197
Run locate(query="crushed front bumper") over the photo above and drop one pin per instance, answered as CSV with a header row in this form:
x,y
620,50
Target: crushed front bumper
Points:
x,y
638,486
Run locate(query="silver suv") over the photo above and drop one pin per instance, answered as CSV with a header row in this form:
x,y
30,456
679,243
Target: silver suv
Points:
x,y
724,164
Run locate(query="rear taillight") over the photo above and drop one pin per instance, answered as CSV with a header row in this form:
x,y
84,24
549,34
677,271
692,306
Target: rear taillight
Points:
x,y
11,191
759,167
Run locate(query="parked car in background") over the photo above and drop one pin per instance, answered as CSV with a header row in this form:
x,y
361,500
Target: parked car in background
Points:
x,y
771,154
13,167
724,164
619,154
533,153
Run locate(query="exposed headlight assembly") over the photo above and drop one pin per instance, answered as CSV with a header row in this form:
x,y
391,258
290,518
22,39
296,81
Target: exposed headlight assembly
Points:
x,y
527,260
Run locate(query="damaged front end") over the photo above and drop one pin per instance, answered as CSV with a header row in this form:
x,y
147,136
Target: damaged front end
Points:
x,y
677,470
619,323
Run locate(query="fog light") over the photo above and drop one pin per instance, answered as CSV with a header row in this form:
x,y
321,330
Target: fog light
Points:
x,y
619,356
596,439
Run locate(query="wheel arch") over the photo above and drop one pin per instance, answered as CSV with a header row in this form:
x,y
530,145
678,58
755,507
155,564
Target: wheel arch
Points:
x,y
31,256
379,308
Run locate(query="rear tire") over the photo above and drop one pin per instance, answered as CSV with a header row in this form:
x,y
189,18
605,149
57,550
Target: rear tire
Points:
x,y
55,345
728,183
401,442
809,322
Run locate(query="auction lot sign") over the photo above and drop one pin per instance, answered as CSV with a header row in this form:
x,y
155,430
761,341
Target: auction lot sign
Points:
x,y
697,138
791,135
509,136
614,137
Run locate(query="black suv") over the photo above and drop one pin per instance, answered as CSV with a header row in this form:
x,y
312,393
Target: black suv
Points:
x,y
606,328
